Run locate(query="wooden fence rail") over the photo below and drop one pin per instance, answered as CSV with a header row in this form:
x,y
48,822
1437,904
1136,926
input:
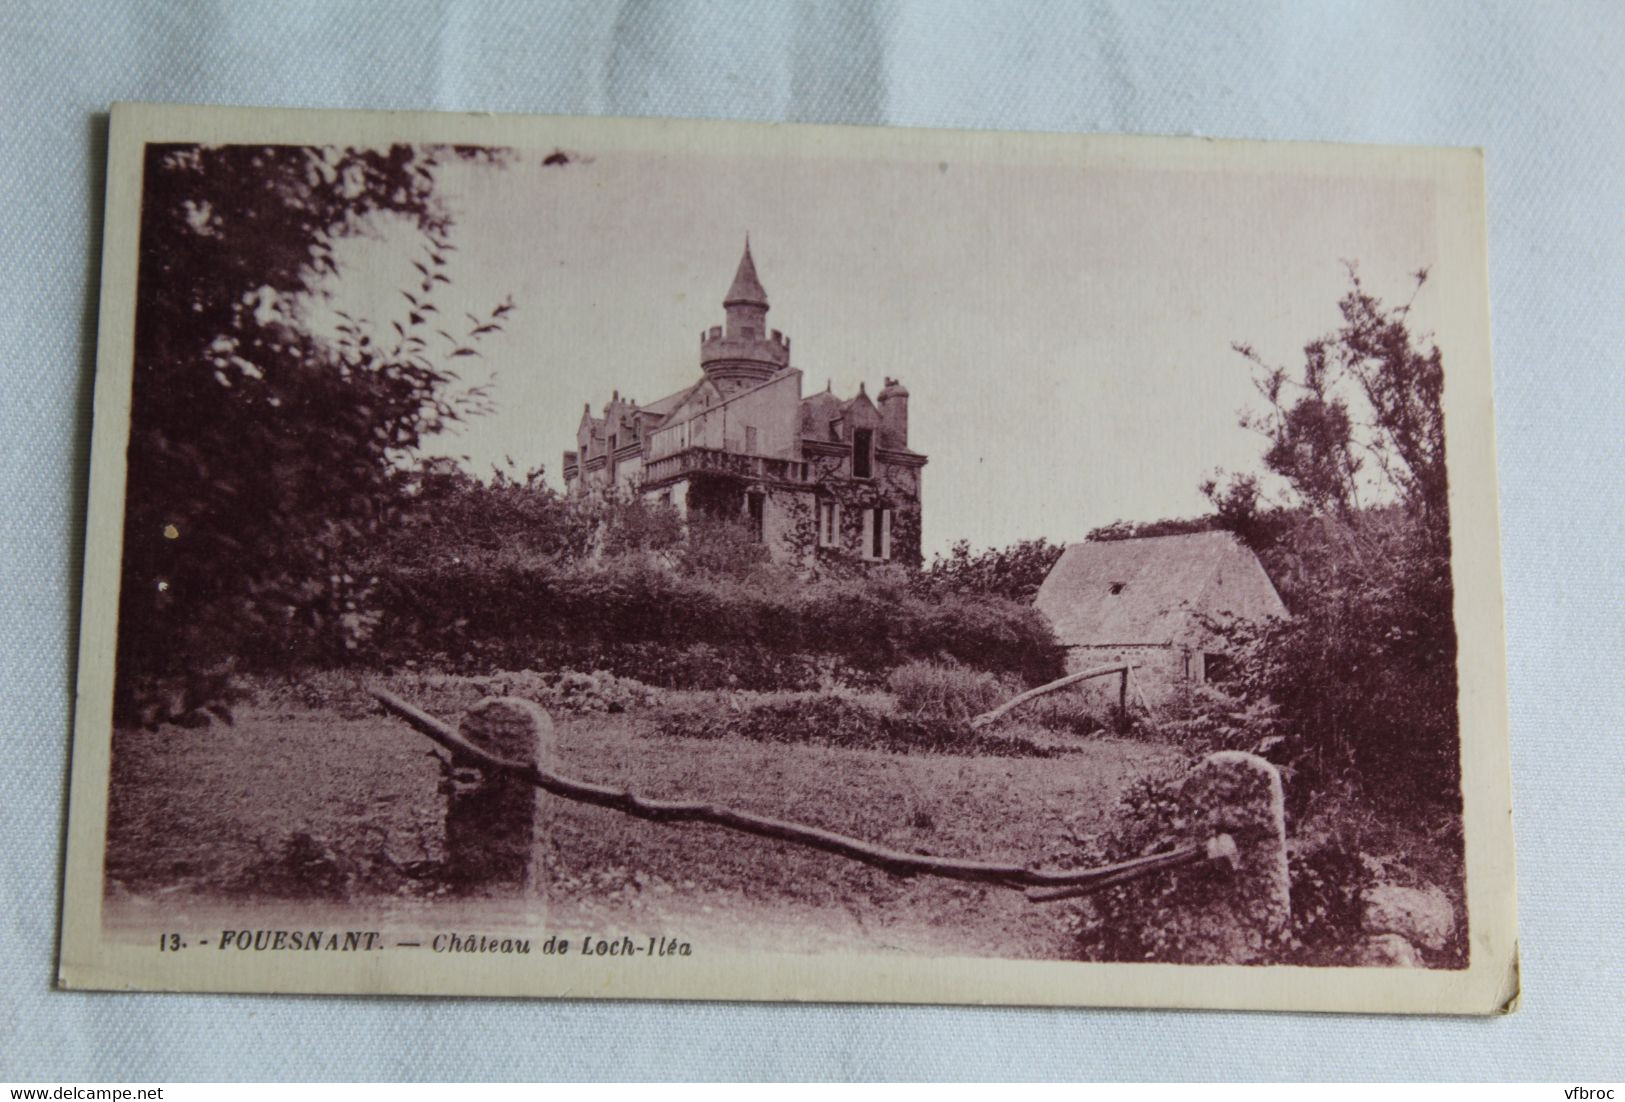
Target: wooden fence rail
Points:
x,y
1122,669
1047,884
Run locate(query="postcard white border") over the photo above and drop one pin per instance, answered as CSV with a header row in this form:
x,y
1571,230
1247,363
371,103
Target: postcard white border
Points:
x,y
1488,985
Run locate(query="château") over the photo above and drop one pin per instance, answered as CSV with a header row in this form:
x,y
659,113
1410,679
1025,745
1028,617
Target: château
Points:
x,y
812,477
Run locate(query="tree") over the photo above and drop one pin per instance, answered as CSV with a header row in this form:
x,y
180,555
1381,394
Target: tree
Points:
x,y
716,545
1361,678
446,516
631,525
262,454
1135,530
1014,572
1362,420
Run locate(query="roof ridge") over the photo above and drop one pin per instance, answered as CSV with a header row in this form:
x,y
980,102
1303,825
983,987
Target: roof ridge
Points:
x,y
1159,536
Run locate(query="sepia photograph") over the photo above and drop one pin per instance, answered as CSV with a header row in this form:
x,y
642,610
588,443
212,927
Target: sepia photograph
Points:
x,y
570,557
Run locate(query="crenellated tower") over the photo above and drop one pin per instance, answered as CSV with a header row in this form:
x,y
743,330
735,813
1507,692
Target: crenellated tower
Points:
x,y
743,351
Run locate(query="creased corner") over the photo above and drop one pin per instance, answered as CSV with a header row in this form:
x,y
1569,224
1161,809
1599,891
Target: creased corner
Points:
x,y
1511,994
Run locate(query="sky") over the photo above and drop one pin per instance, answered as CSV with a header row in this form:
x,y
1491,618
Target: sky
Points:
x,y
1065,332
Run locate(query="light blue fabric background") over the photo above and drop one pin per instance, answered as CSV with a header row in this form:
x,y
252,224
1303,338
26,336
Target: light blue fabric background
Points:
x,y
1541,87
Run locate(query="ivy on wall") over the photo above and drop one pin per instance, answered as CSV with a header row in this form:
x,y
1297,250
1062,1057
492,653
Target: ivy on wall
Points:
x,y
893,488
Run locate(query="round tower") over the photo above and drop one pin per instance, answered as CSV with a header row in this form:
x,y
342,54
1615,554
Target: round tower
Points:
x,y
743,352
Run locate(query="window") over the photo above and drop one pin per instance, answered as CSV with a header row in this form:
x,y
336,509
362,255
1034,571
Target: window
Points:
x,y
862,446
756,506
750,439
829,524
1217,668
877,534
1117,587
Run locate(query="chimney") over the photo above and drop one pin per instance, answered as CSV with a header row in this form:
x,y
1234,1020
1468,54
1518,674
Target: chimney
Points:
x,y
894,414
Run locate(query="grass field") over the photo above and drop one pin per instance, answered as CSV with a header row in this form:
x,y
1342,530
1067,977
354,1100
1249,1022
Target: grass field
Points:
x,y
210,819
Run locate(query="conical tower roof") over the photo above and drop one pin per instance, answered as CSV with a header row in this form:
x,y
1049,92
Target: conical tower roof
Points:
x,y
746,289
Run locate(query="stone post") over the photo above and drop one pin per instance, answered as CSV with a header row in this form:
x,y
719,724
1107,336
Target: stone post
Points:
x,y
491,813
1240,918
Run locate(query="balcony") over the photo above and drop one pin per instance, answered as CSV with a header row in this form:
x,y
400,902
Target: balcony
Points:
x,y
755,468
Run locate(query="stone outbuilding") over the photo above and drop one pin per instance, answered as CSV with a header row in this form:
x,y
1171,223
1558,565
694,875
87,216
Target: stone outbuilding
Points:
x,y
1144,601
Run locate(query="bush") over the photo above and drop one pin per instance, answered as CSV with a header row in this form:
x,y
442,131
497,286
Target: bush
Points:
x,y
1205,718
1327,912
1360,681
1336,850
939,690
1132,922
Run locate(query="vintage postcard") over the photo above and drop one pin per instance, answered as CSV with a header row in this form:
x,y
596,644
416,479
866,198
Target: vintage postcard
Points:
x,y
606,558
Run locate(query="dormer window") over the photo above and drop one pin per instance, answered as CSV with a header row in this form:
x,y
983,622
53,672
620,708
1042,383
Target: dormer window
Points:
x,y
862,453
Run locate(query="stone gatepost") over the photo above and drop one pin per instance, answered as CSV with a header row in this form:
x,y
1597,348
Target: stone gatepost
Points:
x,y
491,813
1242,917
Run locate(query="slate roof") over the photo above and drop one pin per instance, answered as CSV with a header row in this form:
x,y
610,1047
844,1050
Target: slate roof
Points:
x,y
1151,590
669,403
817,411
746,287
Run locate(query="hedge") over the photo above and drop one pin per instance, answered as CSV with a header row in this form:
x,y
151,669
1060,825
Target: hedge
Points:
x,y
769,627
